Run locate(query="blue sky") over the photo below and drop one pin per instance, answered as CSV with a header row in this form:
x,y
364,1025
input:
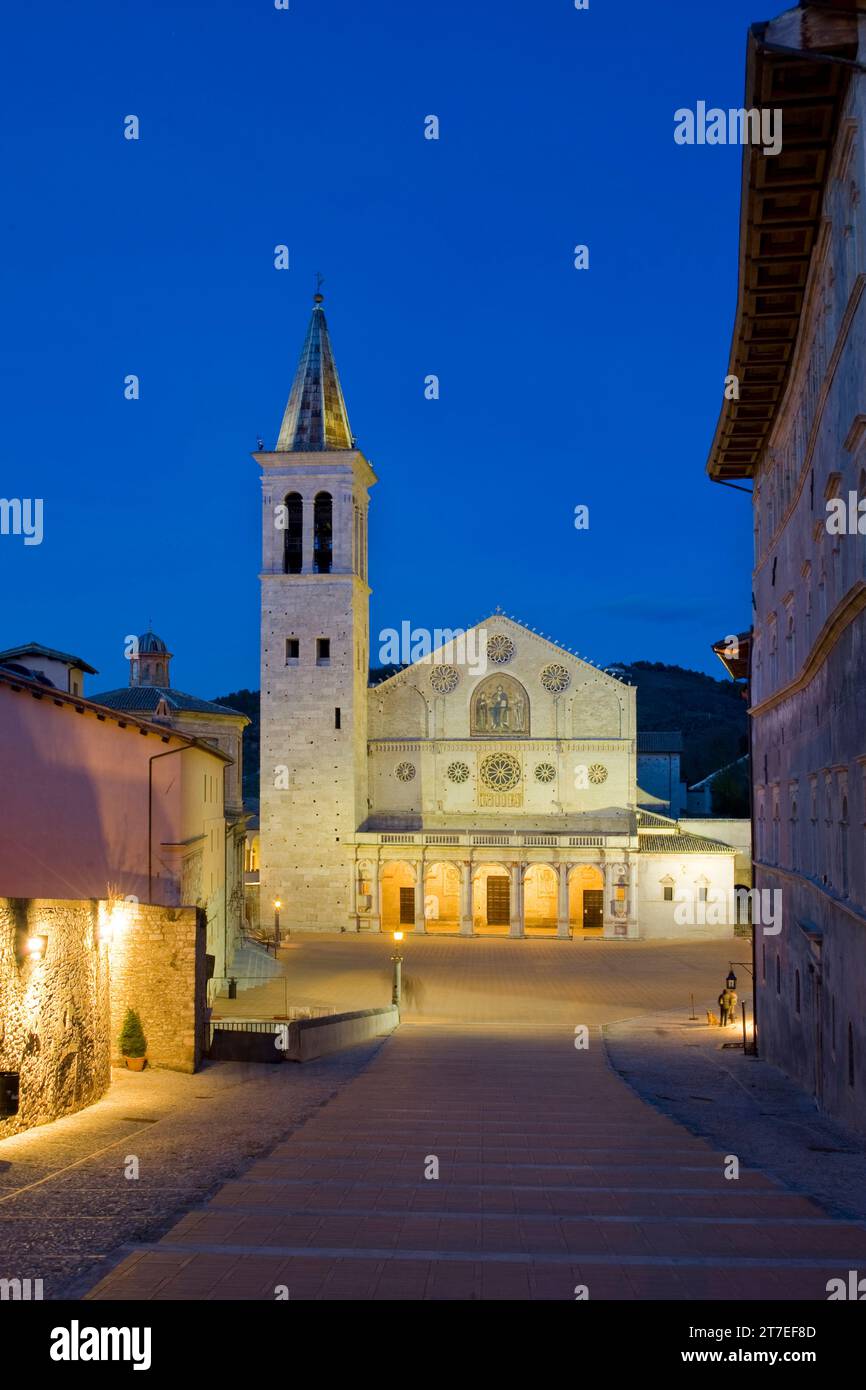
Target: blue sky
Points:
x,y
452,257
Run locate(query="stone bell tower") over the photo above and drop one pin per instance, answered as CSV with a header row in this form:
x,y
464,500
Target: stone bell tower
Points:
x,y
315,647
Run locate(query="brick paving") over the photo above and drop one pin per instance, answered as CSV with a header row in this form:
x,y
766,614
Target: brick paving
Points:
x,y
552,1174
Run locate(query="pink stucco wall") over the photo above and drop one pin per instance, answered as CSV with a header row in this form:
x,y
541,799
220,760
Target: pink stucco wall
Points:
x,y
74,803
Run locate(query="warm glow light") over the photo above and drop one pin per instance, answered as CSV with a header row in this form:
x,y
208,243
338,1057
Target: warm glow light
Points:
x,y
398,936
277,904
36,946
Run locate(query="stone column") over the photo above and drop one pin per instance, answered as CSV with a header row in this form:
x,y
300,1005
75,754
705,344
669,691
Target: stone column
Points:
x,y
563,926
376,897
307,539
420,924
633,910
608,919
516,926
466,925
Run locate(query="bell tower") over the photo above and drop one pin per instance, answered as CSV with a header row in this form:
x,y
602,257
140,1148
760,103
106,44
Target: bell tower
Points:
x,y
315,647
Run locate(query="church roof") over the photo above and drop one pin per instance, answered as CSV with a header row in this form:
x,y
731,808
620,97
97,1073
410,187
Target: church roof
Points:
x,y
315,418
148,697
149,643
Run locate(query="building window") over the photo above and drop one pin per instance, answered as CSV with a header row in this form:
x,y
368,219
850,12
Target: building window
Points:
x,y
668,893
293,650
323,510
407,907
323,651
293,536
337,717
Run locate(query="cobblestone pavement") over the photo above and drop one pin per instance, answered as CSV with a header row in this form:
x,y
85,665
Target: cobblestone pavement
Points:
x,y
65,1201
554,1176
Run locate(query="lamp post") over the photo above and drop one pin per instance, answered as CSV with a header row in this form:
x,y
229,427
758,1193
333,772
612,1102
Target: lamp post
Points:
x,y
397,985
277,906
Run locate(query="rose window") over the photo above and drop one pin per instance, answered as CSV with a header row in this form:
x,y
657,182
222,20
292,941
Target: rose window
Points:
x,y
597,774
555,678
458,772
545,772
444,679
406,771
500,649
500,772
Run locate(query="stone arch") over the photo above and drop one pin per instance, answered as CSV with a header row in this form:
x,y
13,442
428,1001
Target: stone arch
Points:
x,y
540,896
397,877
442,895
499,707
480,874
585,908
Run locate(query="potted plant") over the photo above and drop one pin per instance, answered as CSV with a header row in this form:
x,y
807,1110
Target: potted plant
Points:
x,y
133,1043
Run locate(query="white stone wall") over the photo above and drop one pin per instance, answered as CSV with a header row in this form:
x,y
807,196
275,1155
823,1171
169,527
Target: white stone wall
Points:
x,y
685,873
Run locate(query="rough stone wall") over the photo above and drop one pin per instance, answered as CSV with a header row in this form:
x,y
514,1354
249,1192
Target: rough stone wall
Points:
x,y
54,1012
158,968
61,1015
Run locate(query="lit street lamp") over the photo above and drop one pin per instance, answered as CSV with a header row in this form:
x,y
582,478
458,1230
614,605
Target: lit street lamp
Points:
x,y
277,906
397,985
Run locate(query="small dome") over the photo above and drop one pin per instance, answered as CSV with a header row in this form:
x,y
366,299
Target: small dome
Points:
x,y
148,642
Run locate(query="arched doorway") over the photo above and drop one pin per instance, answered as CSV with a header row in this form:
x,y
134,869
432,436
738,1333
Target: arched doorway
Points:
x,y
442,897
398,896
540,885
491,899
586,900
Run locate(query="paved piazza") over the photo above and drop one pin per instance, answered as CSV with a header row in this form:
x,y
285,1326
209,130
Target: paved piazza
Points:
x,y
555,1181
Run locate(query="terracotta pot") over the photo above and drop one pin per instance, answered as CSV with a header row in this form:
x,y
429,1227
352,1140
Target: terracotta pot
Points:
x,y
136,1063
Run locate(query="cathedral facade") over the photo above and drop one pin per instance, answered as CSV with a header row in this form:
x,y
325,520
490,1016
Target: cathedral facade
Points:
x,y
493,785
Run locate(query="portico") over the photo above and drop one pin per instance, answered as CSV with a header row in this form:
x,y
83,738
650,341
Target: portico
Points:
x,y
571,887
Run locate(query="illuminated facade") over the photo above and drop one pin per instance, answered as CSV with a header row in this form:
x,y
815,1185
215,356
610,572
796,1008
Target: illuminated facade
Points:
x,y
491,785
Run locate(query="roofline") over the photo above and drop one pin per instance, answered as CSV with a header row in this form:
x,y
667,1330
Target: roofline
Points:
x,y
47,654
769,309
222,712
103,712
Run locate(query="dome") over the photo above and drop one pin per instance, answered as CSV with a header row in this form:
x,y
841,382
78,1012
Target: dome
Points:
x,y
148,643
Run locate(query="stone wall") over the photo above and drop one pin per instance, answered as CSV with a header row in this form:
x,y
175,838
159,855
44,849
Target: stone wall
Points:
x,y
61,1012
54,1011
158,968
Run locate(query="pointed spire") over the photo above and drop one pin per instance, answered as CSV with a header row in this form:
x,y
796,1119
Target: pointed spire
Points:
x,y
315,417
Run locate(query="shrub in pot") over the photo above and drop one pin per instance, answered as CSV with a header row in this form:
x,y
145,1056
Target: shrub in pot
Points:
x,y
133,1043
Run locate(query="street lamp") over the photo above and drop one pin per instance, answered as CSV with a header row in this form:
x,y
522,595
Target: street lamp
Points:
x,y
397,984
277,906
731,981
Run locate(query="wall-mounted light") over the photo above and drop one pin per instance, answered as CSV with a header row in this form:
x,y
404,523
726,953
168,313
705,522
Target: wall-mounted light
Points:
x,y
36,947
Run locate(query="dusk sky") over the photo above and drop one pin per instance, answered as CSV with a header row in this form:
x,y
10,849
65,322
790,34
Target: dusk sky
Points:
x,y
558,387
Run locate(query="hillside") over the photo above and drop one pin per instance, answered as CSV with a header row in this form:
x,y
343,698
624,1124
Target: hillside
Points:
x,y
710,714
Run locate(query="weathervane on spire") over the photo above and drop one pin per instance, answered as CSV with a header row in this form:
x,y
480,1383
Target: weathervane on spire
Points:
x,y
320,280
